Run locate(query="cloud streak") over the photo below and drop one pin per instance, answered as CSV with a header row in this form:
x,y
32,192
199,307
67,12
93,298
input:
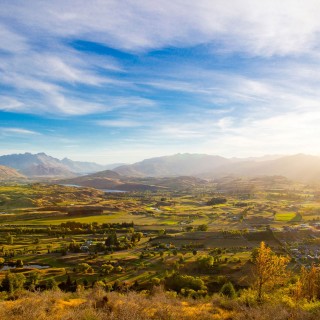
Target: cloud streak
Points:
x,y
18,131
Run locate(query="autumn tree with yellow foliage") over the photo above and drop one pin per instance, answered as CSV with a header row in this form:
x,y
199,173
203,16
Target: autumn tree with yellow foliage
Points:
x,y
308,285
269,269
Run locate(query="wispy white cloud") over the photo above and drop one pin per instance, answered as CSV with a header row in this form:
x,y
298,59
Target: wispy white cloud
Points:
x,y
10,104
287,133
259,28
44,77
18,131
119,123
11,41
72,106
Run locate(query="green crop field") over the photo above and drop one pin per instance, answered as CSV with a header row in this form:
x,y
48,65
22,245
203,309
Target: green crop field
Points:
x,y
287,217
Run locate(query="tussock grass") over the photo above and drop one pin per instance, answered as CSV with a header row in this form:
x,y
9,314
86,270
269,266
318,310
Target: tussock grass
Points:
x,y
96,304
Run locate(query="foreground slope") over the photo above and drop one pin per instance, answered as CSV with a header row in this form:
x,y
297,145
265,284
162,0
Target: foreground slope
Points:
x,y
96,304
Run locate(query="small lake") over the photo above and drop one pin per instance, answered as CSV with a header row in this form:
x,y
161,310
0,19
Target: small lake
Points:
x,y
112,191
27,266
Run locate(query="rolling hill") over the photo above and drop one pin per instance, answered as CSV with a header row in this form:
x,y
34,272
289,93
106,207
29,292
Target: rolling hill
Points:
x,y
113,181
7,173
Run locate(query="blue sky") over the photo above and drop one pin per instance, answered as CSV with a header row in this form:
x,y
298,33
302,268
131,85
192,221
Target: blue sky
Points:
x,y
120,81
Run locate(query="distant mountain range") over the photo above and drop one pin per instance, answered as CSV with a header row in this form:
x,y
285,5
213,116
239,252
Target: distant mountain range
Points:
x,y
300,167
183,171
176,165
42,165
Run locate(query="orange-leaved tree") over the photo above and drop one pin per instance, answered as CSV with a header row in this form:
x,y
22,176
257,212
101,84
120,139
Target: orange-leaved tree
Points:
x,y
269,269
309,283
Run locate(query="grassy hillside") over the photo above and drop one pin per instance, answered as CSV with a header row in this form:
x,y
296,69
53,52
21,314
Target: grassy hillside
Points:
x,y
39,195
96,304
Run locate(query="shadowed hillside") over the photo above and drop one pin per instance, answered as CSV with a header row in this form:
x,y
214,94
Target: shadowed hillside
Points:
x,y
114,181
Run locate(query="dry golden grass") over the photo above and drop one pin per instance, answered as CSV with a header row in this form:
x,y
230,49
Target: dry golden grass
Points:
x,y
95,304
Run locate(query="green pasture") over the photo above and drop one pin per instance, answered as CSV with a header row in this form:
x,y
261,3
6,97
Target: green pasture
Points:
x,y
287,217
